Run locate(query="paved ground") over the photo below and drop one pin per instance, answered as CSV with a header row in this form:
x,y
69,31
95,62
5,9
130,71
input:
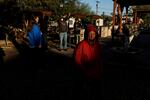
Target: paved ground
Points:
x,y
50,75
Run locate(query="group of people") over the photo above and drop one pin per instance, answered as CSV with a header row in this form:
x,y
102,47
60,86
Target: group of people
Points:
x,y
87,53
67,26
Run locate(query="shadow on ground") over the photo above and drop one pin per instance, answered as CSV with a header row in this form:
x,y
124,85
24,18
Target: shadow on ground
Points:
x,y
36,74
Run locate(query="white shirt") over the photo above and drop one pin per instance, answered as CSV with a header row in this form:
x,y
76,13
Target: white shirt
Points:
x,y
71,22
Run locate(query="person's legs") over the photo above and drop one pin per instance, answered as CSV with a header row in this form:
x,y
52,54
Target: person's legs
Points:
x,y
44,43
95,89
61,40
126,43
31,43
78,85
65,40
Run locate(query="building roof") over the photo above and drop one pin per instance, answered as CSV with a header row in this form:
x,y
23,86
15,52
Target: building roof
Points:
x,y
141,9
78,15
95,16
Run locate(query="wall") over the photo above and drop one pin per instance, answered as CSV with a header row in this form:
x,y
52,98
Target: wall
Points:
x,y
106,31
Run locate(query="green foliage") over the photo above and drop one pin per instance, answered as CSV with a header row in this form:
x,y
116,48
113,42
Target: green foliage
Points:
x,y
146,18
69,6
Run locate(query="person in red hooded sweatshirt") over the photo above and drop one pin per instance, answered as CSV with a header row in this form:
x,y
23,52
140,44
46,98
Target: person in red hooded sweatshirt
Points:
x,y
87,56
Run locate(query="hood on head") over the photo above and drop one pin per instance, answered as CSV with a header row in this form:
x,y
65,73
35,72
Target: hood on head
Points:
x,y
88,29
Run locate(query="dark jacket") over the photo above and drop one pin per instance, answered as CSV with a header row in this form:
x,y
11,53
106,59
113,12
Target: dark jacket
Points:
x,y
63,27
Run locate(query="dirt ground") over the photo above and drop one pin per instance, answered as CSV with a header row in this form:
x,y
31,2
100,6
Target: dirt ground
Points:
x,y
51,75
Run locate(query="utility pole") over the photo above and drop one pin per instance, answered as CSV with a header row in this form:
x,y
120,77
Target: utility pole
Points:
x,y
97,7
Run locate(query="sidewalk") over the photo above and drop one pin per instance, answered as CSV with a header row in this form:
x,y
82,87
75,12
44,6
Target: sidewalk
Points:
x,y
54,47
9,50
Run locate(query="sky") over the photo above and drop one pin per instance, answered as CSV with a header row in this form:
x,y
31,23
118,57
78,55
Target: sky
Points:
x,y
103,6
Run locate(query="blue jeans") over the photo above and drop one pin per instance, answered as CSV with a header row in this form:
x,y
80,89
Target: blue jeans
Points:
x,y
63,40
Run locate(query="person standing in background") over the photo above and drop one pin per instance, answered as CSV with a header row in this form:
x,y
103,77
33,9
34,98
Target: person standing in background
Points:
x,y
34,54
34,34
63,29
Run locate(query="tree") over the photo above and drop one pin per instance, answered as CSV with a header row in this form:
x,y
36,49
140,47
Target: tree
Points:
x,y
69,6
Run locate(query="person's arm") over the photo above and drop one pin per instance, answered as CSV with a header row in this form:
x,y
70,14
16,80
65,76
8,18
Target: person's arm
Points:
x,y
78,56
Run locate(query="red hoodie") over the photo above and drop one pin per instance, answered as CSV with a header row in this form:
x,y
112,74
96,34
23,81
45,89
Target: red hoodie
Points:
x,y
88,57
